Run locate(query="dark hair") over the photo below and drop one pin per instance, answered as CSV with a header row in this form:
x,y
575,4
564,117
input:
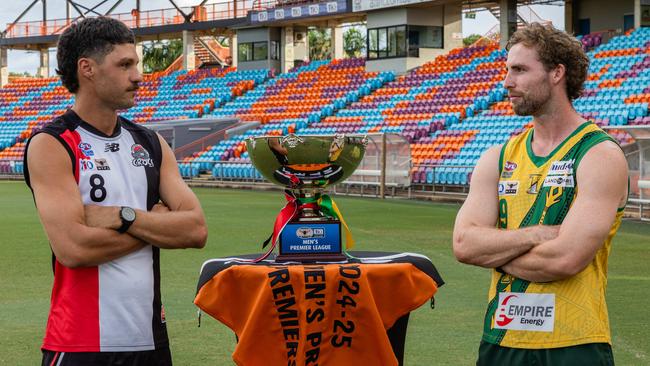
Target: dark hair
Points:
x,y
556,47
91,37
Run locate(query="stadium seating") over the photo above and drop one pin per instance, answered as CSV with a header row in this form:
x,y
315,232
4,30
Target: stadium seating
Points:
x,y
287,103
27,104
589,41
183,94
420,104
451,109
616,93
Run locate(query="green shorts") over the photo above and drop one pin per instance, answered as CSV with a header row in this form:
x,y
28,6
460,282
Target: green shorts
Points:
x,y
591,354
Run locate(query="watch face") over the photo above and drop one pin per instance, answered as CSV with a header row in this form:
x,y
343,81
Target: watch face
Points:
x,y
128,214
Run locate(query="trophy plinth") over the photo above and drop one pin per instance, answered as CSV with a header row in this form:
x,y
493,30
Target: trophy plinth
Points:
x,y
309,227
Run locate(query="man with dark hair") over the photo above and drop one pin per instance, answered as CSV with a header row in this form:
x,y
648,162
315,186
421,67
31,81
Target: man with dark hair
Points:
x,y
109,196
541,213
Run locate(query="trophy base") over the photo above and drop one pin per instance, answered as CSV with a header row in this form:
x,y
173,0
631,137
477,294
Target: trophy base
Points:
x,y
311,239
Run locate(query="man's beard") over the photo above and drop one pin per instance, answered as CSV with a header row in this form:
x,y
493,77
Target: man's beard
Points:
x,y
530,105
121,102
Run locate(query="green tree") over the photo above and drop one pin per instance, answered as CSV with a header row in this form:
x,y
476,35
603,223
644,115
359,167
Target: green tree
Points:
x,y
158,55
469,40
354,42
320,44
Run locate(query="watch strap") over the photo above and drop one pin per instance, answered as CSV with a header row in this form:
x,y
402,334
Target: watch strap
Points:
x,y
126,224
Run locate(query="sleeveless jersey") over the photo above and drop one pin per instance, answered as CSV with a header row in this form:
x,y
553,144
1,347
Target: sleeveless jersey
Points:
x,y
114,306
540,190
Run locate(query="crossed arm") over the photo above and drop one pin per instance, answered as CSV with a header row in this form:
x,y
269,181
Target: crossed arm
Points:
x,y
542,253
82,236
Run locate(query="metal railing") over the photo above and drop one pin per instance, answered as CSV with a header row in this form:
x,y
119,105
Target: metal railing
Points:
x,y
148,18
437,176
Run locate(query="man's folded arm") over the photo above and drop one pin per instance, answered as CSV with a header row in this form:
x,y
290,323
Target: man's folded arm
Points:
x,y
59,205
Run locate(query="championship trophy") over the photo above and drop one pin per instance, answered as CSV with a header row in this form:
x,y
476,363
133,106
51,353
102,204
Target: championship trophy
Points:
x,y
309,226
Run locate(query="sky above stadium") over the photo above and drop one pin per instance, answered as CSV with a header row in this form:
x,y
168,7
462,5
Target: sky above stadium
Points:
x,y
21,61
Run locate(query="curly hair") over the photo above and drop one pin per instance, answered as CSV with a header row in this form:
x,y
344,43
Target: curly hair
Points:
x,y
556,47
92,38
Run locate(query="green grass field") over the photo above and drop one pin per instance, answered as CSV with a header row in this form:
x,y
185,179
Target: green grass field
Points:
x,y
239,221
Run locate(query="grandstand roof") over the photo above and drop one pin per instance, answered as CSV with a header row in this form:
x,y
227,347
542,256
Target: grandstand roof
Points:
x,y
37,34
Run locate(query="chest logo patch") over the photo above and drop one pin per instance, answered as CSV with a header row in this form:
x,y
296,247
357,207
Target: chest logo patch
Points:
x,y
508,187
141,156
561,167
522,311
111,147
559,181
533,183
508,169
86,165
102,164
86,149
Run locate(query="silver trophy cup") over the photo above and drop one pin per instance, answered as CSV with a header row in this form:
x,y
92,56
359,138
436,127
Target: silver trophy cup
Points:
x,y
305,166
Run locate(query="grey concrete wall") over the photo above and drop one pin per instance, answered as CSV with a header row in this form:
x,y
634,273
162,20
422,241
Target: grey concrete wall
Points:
x,y
188,131
300,44
604,14
254,65
425,16
257,35
275,35
447,16
386,18
453,27
399,65
252,35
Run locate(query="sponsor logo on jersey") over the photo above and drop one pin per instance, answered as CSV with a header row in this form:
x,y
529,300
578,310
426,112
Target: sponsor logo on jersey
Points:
x,y
561,167
508,169
141,156
102,164
86,164
112,147
86,149
508,187
522,311
533,183
559,181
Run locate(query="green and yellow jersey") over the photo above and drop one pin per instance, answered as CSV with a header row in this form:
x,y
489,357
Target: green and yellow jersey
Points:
x,y
540,190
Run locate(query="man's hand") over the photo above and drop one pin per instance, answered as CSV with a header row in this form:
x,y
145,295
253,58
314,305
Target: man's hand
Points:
x,y
177,221
105,217
587,225
78,235
546,232
160,208
477,240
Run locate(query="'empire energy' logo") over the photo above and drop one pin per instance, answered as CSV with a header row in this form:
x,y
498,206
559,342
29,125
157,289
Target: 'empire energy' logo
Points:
x,y
524,311
505,320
